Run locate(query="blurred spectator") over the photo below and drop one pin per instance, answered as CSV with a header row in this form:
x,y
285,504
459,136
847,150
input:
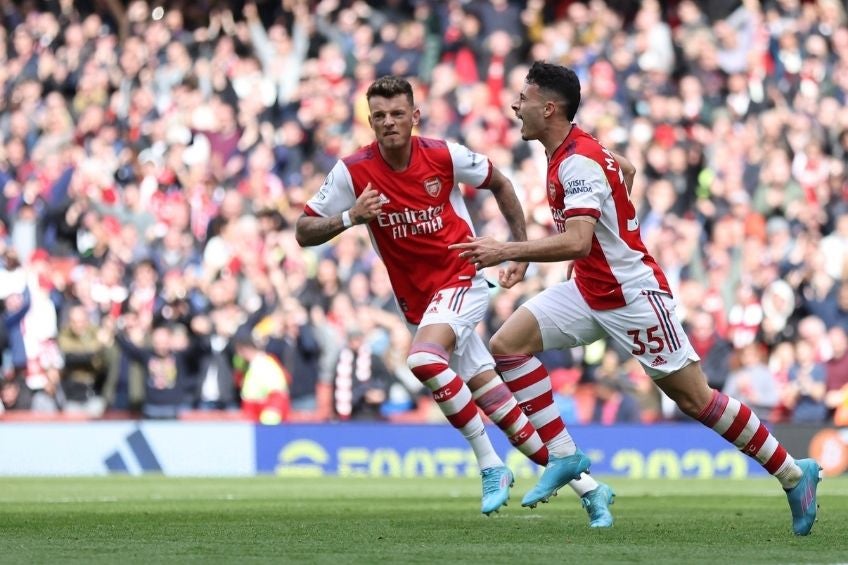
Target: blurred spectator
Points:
x,y
165,363
813,331
613,403
15,306
265,388
83,348
216,386
805,390
639,385
14,395
361,382
711,347
752,382
564,383
43,377
836,383
295,346
780,362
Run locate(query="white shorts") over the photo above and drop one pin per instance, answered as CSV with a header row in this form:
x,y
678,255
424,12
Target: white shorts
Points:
x,y
647,327
462,308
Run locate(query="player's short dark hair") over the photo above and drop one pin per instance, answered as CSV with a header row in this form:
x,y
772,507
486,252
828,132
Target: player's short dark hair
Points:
x,y
390,86
558,80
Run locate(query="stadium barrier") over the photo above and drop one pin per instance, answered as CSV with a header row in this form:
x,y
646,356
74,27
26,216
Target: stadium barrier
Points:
x,y
233,448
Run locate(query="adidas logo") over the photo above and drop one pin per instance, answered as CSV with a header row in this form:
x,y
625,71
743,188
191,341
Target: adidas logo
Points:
x,y
383,199
141,451
658,360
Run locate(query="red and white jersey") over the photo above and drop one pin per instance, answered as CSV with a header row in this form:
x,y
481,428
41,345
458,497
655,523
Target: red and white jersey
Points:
x,y
423,212
585,180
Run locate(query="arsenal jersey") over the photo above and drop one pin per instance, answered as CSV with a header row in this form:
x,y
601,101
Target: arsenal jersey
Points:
x,y
584,179
423,212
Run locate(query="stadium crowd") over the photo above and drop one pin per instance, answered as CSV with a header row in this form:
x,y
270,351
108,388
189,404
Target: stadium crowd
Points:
x,y
154,159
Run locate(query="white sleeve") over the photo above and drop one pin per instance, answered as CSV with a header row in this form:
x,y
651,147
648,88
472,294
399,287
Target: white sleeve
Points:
x,y
585,184
469,167
335,195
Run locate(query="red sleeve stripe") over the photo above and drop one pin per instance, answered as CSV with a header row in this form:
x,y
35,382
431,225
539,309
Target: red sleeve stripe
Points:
x,y
583,212
488,177
309,211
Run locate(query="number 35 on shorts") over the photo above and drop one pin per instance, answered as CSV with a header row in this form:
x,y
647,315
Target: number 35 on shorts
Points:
x,y
660,329
650,340
658,341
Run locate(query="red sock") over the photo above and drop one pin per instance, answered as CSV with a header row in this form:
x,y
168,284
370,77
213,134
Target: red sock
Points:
x,y
500,406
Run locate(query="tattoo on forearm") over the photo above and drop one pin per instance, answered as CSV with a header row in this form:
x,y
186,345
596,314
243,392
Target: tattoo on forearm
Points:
x,y
312,230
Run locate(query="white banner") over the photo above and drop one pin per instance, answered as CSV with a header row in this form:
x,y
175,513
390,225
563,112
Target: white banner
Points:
x,y
100,448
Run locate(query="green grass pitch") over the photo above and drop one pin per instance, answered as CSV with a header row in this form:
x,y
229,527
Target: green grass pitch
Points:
x,y
350,520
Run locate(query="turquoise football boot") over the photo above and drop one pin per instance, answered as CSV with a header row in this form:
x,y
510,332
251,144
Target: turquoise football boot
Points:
x,y
597,503
802,497
558,473
496,484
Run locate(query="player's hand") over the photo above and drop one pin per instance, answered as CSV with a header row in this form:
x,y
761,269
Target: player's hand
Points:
x,y
366,207
512,275
481,251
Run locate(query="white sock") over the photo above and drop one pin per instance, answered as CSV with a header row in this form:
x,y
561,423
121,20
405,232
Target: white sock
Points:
x,y
583,484
486,455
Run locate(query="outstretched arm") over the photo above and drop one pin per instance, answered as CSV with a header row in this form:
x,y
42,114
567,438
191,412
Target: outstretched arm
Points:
x,y
510,207
315,230
575,242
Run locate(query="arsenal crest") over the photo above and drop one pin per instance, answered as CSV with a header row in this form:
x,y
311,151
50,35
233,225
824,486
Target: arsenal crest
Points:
x,y
551,191
433,186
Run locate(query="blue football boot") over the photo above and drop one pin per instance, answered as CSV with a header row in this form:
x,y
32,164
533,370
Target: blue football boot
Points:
x,y
496,484
597,503
802,497
558,473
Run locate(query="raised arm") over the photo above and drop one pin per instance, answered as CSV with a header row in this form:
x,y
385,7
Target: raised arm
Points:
x,y
627,169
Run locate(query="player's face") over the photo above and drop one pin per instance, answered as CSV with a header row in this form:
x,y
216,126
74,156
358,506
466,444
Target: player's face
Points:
x,y
392,120
530,109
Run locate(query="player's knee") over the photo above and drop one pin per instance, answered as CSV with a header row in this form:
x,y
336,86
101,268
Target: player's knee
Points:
x,y
692,402
500,344
688,405
426,360
688,388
